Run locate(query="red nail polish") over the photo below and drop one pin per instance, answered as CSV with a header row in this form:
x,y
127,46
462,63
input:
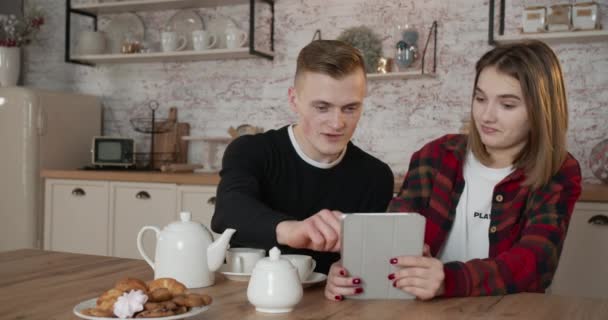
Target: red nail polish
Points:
x,y
395,284
358,290
356,281
338,298
394,261
342,273
391,276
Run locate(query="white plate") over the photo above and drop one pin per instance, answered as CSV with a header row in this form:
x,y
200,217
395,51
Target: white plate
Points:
x,y
184,22
234,276
121,25
92,303
313,279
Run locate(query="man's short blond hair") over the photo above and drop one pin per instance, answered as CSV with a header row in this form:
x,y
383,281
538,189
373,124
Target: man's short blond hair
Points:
x,y
334,58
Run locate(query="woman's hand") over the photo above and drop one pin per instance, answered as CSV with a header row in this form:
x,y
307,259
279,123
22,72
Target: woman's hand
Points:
x,y
340,284
420,276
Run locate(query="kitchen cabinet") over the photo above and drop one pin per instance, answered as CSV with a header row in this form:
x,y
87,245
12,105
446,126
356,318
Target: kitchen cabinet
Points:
x,y
76,216
92,10
584,259
104,217
200,201
135,205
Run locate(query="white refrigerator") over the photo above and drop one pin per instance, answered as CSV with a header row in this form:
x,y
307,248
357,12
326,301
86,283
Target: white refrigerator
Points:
x,y
39,129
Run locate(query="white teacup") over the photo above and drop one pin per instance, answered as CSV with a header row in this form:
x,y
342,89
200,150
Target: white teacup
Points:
x,y
235,38
305,264
242,260
203,40
171,41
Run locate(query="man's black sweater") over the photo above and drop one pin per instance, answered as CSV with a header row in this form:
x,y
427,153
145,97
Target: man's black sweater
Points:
x,y
264,181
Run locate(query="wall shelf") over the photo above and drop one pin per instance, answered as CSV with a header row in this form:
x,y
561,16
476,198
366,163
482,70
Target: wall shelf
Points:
x,y
547,37
557,37
415,74
95,9
176,56
151,5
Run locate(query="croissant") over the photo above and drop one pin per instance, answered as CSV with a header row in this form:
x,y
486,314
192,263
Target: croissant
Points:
x,y
107,299
174,286
129,284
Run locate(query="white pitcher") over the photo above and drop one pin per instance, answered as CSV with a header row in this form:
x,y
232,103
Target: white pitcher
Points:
x,y
185,251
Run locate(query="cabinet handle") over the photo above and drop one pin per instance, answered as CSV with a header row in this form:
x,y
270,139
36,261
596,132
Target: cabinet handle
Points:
x,y
211,201
600,220
78,192
142,195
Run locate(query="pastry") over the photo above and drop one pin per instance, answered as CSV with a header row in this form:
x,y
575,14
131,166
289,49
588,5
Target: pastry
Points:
x,y
95,312
174,286
107,299
168,305
162,297
155,313
160,294
129,284
192,300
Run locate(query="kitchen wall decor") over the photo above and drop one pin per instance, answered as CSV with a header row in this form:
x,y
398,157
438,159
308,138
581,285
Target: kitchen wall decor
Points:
x,y
367,41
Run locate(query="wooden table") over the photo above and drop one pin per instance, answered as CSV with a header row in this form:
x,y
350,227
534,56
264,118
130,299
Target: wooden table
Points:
x,y
38,284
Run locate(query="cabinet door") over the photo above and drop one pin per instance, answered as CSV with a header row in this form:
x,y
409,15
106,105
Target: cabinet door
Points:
x,y
198,200
136,205
76,216
584,259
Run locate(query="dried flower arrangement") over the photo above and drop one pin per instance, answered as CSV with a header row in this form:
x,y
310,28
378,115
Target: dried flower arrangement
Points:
x,y
19,31
370,45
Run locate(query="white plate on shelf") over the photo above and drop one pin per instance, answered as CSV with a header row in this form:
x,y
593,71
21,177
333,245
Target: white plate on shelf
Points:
x,y
313,279
119,26
184,22
234,276
91,303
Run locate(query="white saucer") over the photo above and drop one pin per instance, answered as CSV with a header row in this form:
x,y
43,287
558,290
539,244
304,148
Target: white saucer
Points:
x,y
314,279
234,276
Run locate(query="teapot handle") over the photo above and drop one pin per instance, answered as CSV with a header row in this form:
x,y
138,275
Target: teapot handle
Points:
x,y
140,245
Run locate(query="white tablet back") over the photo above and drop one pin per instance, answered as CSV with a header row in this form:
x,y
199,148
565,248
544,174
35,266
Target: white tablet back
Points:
x,y
370,240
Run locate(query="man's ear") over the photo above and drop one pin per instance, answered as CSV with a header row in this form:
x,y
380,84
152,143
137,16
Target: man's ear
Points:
x,y
293,97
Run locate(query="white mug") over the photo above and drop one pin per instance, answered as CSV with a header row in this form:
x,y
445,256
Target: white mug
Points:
x,y
203,40
171,41
305,264
242,260
235,38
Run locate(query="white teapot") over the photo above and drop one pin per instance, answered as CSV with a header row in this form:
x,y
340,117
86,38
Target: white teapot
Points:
x,y
186,252
274,286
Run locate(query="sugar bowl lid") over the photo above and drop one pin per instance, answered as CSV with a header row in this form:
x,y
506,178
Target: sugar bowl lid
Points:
x,y
274,261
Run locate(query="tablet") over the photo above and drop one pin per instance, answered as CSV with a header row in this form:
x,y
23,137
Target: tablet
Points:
x,y
370,240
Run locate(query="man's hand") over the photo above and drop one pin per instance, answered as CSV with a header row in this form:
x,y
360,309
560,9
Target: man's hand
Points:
x,y
320,232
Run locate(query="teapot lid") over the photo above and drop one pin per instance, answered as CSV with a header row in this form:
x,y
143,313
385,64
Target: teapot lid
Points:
x,y
185,223
274,261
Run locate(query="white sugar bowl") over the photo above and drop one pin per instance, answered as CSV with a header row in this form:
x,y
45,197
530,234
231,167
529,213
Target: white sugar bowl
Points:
x,y
274,286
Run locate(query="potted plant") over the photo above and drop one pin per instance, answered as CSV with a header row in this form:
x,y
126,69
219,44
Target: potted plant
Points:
x,y
16,32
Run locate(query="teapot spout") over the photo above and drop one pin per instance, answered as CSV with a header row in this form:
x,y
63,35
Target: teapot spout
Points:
x,y
217,250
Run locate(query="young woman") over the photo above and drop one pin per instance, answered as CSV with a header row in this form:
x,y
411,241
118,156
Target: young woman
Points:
x,y
497,201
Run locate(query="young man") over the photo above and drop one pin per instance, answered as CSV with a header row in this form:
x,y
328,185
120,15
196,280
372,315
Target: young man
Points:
x,y
288,187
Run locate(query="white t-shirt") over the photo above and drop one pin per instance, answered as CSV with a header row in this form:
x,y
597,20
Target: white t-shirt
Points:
x,y
468,239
